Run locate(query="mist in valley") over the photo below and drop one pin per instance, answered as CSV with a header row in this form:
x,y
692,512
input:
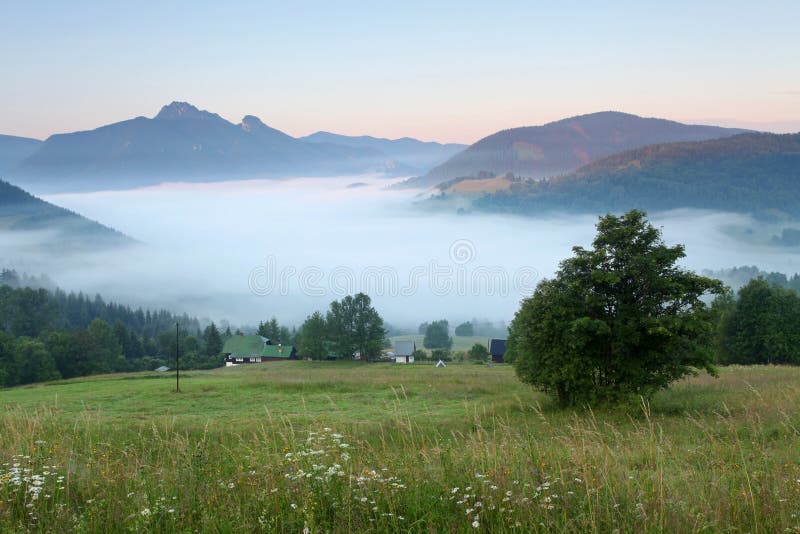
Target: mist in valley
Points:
x,y
249,250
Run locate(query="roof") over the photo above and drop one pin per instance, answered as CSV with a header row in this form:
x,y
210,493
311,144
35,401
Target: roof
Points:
x,y
243,346
497,347
404,348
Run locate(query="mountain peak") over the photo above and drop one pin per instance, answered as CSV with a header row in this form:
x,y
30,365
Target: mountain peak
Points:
x,y
251,122
179,110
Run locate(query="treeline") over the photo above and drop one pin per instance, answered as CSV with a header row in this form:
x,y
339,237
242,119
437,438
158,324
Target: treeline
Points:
x,y
737,277
760,326
30,304
46,335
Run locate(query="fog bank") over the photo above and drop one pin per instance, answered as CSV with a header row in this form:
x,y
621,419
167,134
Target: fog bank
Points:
x,y
249,250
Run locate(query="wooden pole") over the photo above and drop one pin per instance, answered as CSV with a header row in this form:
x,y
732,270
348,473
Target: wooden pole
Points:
x,y
177,360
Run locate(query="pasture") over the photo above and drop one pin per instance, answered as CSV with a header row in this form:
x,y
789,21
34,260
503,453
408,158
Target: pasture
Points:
x,y
350,446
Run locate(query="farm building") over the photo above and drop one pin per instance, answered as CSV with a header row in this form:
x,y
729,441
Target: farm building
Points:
x,y
497,350
255,349
404,351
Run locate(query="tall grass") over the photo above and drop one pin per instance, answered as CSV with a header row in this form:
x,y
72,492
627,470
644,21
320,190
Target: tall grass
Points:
x,y
377,448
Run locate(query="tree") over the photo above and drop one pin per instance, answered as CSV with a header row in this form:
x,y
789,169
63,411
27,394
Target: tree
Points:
x,y
313,336
465,329
104,347
761,327
479,352
35,362
213,340
437,335
618,320
270,330
422,328
356,327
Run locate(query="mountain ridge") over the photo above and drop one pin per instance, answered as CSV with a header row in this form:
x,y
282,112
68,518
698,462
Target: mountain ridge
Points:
x,y
757,173
22,212
14,150
562,146
183,142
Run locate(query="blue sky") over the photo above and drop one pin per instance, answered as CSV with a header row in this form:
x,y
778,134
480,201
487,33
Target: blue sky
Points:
x,y
449,71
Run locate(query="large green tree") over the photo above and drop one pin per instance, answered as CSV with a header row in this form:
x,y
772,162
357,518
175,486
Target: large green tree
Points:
x,y
437,335
619,319
313,335
356,327
761,327
465,329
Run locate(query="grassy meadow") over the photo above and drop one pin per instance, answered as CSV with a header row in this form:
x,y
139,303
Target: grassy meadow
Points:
x,y
459,342
340,447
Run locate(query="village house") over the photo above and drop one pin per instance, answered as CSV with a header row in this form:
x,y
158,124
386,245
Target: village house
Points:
x,y
404,351
255,349
497,350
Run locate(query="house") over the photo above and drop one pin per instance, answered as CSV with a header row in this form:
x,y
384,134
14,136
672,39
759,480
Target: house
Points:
x,y
497,350
255,349
404,351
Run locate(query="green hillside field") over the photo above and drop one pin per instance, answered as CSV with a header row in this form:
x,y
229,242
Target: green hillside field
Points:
x,y
459,342
357,447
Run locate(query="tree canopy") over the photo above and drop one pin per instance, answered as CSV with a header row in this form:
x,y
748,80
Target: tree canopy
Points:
x,y
356,327
617,320
312,338
465,329
437,335
761,327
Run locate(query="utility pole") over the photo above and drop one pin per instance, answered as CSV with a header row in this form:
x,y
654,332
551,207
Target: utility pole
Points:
x,y
177,360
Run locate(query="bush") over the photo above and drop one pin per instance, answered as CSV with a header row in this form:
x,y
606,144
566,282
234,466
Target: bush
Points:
x,y
479,352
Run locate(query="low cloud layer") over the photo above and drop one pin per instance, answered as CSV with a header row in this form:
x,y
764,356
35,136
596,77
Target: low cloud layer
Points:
x,y
249,250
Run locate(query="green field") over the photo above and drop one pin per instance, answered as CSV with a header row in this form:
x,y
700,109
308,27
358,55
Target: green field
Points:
x,y
459,342
356,447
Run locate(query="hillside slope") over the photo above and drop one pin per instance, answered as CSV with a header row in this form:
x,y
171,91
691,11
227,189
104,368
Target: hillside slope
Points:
x,y
562,146
755,173
45,227
14,150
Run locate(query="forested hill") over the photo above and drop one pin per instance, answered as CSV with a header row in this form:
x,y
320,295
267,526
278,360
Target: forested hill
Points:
x,y
50,334
754,173
59,230
26,311
562,146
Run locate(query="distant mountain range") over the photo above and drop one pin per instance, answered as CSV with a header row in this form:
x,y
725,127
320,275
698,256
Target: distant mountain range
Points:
x,y
754,173
60,230
14,150
562,146
183,143
416,156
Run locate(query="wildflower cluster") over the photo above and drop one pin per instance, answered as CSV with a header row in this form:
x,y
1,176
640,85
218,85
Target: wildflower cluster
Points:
x,y
321,475
29,481
492,498
321,458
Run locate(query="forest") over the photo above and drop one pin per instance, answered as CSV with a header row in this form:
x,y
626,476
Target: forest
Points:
x,y
748,173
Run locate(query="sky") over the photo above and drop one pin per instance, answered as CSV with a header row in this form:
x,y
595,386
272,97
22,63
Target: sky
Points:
x,y
445,71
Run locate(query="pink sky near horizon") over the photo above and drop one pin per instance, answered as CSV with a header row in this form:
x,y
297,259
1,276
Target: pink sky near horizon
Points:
x,y
465,128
